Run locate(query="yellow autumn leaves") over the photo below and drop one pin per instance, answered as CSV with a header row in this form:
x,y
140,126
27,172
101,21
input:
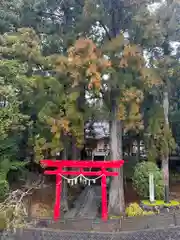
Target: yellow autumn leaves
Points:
x,y
87,59
84,60
86,63
57,125
129,109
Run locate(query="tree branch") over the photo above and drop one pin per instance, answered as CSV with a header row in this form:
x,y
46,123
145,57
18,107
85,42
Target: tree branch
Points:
x,y
13,209
106,30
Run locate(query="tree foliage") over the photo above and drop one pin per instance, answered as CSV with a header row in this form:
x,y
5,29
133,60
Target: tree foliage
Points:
x,y
66,63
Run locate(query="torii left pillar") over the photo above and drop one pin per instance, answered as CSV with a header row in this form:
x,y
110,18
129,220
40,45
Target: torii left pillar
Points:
x,y
57,204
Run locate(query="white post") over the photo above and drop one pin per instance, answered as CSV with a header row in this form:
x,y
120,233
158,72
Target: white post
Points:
x,y
151,187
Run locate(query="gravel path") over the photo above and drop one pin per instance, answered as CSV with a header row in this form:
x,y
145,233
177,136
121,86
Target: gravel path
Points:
x,y
40,234
87,204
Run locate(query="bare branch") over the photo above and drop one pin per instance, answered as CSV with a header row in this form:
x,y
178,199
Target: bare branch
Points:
x,y
14,210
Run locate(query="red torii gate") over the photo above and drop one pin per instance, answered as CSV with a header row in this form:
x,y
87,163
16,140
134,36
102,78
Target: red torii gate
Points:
x,y
60,172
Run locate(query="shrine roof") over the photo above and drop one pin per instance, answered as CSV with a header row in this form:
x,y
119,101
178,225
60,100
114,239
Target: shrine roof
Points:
x,y
97,130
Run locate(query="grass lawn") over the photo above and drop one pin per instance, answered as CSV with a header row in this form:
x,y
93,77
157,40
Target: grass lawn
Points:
x,y
172,203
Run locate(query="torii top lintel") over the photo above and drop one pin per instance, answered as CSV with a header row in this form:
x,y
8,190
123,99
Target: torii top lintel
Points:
x,y
82,164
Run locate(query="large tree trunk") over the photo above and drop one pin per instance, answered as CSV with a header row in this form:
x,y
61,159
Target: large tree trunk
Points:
x,y
165,157
64,201
75,150
116,194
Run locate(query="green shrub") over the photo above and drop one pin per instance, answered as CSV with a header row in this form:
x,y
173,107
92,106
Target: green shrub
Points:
x,y
5,217
3,223
141,179
4,189
135,210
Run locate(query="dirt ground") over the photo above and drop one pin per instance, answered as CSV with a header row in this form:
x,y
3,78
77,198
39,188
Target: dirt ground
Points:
x,y
130,194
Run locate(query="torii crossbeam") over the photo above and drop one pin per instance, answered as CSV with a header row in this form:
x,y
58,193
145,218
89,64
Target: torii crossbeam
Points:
x,y
60,165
